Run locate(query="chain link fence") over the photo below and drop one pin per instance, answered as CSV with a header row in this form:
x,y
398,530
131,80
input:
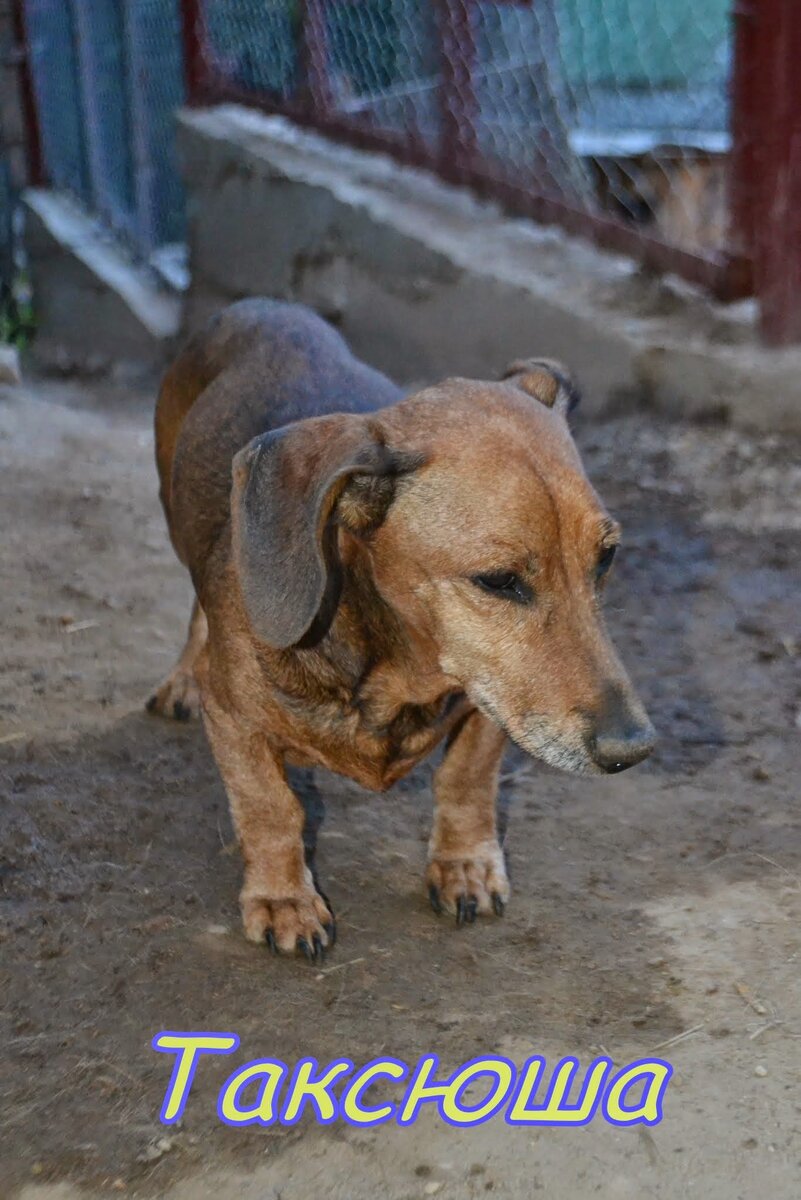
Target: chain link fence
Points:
x,y
108,77
608,116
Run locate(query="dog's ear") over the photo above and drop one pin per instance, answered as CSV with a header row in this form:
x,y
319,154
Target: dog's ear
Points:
x,y
291,488
546,380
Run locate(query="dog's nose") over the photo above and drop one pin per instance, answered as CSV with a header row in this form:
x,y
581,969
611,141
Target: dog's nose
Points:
x,y
613,754
620,737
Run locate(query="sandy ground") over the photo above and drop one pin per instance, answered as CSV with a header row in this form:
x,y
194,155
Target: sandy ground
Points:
x,y
657,911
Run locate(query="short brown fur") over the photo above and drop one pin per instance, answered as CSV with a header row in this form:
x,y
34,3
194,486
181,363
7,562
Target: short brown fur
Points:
x,y
347,548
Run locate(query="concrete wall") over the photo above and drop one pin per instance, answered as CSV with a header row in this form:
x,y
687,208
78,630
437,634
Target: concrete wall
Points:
x,y
95,309
425,281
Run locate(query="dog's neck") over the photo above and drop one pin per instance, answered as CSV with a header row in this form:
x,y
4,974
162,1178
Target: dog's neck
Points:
x,y
365,659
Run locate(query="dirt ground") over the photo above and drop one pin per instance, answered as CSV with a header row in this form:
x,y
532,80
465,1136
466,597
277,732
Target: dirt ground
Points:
x,y
657,911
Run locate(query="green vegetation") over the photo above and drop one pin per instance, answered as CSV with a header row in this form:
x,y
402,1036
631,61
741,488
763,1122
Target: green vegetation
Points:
x,y
17,320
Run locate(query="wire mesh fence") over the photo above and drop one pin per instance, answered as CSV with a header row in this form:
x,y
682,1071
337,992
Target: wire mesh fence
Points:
x,y
611,116
108,77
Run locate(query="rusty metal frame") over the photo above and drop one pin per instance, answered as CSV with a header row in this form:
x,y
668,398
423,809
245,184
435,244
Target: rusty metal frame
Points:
x,y
766,192
727,275
30,114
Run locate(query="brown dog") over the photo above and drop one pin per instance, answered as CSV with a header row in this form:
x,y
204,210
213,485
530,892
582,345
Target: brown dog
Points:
x,y
374,575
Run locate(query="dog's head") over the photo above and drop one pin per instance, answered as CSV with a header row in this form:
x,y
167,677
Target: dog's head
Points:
x,y
484,536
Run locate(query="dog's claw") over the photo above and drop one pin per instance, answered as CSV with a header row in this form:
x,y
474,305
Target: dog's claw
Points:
x,y
269,938
471,908
305,948
330,928
461,910
180,711
434,900
318,948
150,706
498,905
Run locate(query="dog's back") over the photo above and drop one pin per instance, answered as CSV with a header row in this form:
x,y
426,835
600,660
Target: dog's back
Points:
x,y
256,366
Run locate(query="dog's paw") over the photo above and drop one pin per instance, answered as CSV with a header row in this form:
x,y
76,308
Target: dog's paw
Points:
x,y
301,924
177,697
468,886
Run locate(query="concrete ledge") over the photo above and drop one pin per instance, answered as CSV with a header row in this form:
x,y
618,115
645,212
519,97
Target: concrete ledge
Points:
x,y
9,366
426,281
94,308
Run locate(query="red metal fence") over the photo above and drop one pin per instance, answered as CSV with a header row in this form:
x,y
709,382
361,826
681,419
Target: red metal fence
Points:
x,y
666,131
766,159
761,249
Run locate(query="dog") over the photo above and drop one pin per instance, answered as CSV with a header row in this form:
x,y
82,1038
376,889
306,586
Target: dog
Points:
x,y
377,574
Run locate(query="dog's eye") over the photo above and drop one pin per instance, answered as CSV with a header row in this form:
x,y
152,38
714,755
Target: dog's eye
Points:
x,y
506,584
605,561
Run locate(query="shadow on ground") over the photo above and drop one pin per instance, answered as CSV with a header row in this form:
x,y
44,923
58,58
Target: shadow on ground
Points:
x,y
118,877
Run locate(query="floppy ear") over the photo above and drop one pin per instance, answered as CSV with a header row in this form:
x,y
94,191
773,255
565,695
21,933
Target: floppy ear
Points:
x,y
546,380
289,486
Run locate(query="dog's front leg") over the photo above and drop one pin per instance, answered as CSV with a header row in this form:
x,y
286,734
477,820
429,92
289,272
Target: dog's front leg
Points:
x,y
466,871
279,901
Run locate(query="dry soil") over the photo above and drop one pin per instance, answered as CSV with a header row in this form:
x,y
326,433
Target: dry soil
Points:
x,y
657,911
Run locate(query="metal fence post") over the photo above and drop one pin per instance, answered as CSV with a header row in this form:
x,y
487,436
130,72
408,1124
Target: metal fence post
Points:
x,y
30,115
766,159
315,75
459,109
778,259
195,67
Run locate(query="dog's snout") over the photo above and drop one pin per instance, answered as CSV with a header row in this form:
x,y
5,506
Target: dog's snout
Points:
x,y
620,736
